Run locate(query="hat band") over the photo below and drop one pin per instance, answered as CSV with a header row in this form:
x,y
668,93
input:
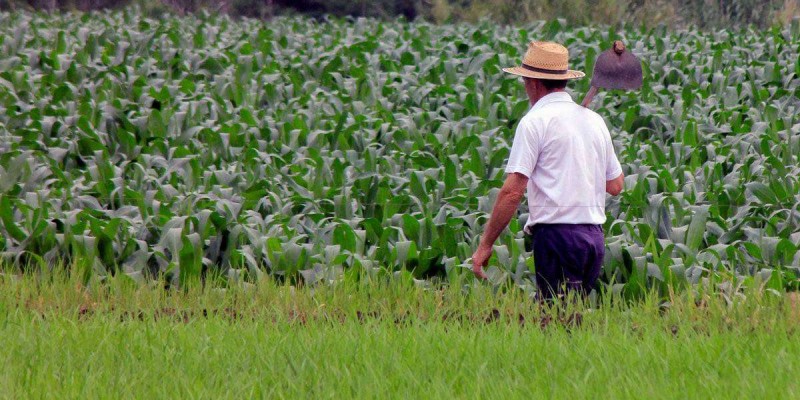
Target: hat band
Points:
x,y
544,70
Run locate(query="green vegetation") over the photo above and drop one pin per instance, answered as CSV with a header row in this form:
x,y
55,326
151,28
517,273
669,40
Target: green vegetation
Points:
x,y
683,13
327,182
384,340
188,148
674,13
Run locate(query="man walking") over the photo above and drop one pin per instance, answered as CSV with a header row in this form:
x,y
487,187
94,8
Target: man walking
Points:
x,y
563,154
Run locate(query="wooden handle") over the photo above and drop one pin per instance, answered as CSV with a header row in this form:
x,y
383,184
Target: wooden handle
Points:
x,y
589,96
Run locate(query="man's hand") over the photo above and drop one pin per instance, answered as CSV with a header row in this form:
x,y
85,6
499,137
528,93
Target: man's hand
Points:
x,y
479,260
504,208
614,187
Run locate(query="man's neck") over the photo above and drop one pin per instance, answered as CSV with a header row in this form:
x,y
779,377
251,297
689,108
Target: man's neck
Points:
x,y
537,98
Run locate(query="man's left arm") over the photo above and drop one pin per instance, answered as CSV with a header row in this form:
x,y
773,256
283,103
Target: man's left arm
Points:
x,y
505,207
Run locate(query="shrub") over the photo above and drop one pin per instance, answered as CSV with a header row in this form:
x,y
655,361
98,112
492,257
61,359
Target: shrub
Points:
x,y
701,13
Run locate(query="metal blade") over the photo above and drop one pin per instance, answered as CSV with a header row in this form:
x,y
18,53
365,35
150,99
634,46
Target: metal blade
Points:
x,y
617,68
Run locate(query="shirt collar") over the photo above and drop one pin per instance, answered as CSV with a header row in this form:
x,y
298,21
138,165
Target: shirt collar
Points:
x,y
554,97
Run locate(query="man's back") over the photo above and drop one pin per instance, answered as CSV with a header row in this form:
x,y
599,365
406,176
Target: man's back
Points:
x,y
567,153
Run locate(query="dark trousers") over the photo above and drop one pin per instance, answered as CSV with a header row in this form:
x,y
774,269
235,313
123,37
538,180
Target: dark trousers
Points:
x,y
568,258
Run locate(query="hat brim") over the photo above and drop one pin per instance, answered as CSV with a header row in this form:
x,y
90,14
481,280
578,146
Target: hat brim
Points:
x,y
519,71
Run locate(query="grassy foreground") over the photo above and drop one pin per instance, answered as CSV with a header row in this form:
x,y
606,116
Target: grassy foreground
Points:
x,y
114,340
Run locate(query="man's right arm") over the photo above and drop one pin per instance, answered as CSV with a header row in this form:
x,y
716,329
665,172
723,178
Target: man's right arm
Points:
x,y
613,168
615,186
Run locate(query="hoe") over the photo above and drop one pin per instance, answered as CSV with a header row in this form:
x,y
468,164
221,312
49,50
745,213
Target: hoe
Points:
x,y
615,68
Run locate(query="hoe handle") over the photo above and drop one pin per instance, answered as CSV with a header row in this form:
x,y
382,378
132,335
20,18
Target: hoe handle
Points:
x,y
589,96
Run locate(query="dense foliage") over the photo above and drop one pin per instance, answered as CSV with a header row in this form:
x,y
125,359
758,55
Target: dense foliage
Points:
x,y
308,151
700,13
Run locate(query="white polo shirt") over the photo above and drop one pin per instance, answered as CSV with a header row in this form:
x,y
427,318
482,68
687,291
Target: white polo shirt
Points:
x,y
566,152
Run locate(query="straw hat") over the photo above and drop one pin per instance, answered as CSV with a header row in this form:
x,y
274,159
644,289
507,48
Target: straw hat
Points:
x,y
545,60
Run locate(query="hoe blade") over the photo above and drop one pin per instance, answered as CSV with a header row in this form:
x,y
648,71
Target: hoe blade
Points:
x,y
617,68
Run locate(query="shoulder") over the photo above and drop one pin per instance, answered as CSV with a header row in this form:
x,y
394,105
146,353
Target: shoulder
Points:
x,y
593,116
588,114
535,119
539,119
586,117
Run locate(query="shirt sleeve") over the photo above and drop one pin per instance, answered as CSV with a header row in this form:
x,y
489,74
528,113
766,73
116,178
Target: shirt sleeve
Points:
x,y
524,150
613,167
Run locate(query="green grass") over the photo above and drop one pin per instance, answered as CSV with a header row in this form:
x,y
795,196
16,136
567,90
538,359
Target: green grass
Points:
x,y
385,340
